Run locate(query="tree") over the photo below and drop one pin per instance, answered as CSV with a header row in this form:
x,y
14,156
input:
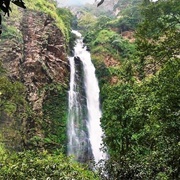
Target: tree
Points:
x,y
141,119
158,35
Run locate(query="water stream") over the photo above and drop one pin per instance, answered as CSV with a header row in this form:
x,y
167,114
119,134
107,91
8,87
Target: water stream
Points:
x,y
84,130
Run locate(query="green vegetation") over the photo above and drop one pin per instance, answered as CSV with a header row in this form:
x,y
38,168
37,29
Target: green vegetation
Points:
x,y
55,117
10,32
68,20
140,85
6,8
35,131
140,93
8,28
63,17
129,16
32,146
40,165
13,110
50,8
109,49
86,21
141,123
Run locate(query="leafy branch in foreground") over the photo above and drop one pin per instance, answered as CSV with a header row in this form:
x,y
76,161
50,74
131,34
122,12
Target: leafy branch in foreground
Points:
x,y
5,7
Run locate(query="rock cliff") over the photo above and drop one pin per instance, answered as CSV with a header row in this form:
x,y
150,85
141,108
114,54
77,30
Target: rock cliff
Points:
x,y
36,57
44,55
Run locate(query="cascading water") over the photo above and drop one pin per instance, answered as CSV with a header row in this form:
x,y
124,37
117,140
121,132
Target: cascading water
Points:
x,y
84,130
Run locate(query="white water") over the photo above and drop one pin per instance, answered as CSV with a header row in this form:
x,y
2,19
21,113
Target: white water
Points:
x,y
92,101
73,112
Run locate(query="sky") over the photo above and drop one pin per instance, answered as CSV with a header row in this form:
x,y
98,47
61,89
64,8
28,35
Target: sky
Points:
x,y
78,2
74,2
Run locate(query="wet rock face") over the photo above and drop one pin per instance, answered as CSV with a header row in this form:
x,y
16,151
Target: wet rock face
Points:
x,y
44,55
39,58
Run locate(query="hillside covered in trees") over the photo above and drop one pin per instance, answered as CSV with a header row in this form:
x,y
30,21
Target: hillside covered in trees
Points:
x,y
134,45
136,53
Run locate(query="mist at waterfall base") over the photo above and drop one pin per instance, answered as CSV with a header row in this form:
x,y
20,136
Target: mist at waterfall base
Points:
x,y
84,130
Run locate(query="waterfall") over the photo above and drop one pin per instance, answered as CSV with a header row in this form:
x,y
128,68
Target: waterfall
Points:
x,y
84,130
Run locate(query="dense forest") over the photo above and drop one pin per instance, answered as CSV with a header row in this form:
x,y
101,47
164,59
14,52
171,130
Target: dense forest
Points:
x,y
134,45
137,58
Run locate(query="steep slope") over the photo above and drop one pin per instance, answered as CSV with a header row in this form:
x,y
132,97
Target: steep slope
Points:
x,y
33,51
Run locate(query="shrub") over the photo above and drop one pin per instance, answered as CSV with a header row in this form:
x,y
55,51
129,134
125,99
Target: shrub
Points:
x,y
41,165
